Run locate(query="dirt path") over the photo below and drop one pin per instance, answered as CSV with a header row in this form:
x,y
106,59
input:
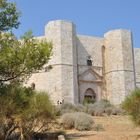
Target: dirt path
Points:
x,y
116,128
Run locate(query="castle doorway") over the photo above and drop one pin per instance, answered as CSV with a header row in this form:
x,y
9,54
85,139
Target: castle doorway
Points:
x,y
90,96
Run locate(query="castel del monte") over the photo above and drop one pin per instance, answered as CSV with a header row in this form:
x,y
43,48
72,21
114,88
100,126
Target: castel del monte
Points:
x,y
84,66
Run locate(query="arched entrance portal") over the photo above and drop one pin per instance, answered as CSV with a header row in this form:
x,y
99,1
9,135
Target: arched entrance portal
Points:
x,y
90,95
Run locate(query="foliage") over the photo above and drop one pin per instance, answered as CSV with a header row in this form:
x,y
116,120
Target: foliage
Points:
x,y
98,108
24,110
132,106
78,120
69,108
80,108
65,108
68,120
83,121
112,110
18,59
89,101
103,107
21,109
8,16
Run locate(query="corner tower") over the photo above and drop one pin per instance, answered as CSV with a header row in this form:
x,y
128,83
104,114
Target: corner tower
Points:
x,y
119,65
64,61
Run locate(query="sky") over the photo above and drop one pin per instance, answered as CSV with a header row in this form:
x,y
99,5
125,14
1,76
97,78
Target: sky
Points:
x,y
91,17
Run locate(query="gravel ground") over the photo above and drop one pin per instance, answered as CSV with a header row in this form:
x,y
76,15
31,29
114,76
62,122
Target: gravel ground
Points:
x,y
116,128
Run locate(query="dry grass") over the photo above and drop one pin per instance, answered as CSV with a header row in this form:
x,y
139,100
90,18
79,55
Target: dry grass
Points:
x,y
116,128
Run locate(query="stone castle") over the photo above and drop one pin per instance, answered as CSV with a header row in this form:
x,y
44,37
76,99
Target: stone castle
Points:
x,y
88,67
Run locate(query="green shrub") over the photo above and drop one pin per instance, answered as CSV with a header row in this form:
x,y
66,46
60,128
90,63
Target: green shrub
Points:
x,y
109,110
103,107
69,108
88,101
80,108
68,120
83,121
132,106
118,111
78,120
23,109
98,108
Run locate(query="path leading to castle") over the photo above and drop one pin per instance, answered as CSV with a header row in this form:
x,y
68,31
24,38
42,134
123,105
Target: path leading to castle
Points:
x,y
116,128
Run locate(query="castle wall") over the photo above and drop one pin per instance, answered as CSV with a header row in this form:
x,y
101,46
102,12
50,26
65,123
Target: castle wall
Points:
x,y
89,46
69,62
137,65
119,65
111,76
50,81
45,81
92,46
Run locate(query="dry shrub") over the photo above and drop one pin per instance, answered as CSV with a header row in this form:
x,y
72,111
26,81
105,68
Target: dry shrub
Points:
x,y
78,120
132,106
103,107
83,121
68,120
69,108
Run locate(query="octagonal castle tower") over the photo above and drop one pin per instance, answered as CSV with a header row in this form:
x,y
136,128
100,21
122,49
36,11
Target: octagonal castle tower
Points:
x,y
110,73
119,65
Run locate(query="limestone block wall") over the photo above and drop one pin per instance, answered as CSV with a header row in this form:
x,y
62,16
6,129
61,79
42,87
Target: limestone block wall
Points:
x,y
62,34
61,81
45,81
50,81
119,65
113,61
137,65
89,46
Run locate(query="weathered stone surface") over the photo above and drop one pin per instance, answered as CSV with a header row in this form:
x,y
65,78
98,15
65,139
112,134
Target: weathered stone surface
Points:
x,y
119,66
137,65
111,76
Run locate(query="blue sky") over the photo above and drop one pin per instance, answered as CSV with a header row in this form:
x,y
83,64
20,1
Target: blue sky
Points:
x,y
91,17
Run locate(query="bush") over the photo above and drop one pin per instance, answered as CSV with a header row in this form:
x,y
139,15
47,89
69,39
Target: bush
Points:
x,y
69,108
103,107
78,120
98,108
80,108
24,110
83,121
132,106
88,101
68,120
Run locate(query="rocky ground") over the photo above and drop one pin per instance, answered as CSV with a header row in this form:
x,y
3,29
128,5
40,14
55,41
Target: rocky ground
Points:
x,y
116,128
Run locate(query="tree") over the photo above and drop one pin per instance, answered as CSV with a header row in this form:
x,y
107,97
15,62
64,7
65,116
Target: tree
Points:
x,y
132,106
19,58
21,108
8,16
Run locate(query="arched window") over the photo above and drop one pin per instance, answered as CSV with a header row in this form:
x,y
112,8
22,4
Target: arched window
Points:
x,y
89,61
